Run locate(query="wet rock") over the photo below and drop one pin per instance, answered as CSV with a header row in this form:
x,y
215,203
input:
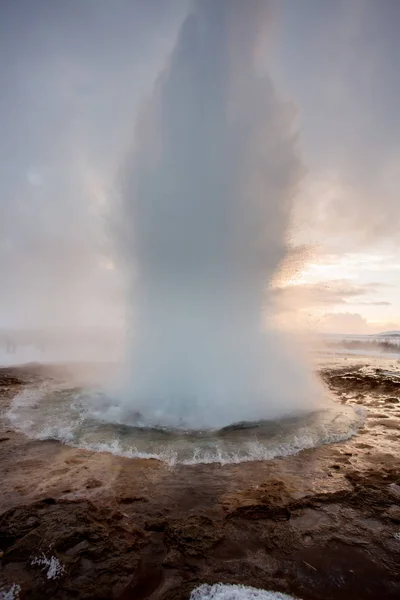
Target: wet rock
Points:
x,y
358,382
92,484
391,400
387,423
336,572
67,534
363,446
173,560
394,490
393,513
260,511
78,549
7,379
278,524
132,499
193,536
242,425
156,525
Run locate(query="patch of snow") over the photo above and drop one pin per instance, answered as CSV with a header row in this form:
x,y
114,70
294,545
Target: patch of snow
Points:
x,y
396,535
54,568
235,592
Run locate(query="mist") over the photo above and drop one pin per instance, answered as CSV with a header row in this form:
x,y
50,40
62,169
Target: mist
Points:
x,y
72,78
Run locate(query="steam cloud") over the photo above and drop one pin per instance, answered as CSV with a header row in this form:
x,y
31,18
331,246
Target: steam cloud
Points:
x,y
205,213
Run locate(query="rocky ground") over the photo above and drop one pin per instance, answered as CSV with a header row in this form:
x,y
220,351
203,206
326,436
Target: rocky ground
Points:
x,y
321,525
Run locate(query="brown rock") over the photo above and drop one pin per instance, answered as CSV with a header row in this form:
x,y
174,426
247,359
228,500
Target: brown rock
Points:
x,y
156,525
193,536
393,513
92,483
67,530
173,560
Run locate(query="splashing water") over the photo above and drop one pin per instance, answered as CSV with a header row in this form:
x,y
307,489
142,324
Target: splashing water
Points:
x,y
11,593
88,418
51,565
201,230
204,218
235,592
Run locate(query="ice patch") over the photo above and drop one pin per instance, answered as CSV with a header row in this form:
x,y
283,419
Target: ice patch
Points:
x,y
235,592
54,568
11,594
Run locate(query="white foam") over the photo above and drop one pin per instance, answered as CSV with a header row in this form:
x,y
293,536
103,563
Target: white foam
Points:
x,y
250,452
27,398
169,456
54,568
235,592
11,593
256,451
41,414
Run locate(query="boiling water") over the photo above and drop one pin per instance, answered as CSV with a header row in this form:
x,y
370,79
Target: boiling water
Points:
x,y
89,419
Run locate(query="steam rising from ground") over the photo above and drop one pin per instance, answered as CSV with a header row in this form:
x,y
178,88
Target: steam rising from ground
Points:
x,y
205,214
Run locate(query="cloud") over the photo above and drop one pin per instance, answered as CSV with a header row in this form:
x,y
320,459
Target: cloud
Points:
x,y
326,293
382,303
352,323
73,76
340,216
71,86
346,54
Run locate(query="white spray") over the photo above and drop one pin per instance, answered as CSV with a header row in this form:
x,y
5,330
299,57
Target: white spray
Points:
x,y
205,214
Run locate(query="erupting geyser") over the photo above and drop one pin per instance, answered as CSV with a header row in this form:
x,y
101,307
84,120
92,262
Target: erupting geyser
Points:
x,y
205,211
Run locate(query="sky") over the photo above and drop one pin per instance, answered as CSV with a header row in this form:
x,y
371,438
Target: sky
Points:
x,y
337,62
74,77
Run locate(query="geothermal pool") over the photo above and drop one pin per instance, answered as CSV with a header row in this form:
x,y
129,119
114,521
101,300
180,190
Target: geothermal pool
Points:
x,y
91,419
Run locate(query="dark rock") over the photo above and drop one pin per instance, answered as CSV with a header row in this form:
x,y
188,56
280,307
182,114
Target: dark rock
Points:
x,y
394,489
261,511
79,548
193,536
393,513
391,400
132,499
173,560
156,525
67,530
92,483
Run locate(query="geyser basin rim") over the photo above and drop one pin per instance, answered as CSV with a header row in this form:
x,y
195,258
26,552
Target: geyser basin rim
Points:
x,y
52,413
